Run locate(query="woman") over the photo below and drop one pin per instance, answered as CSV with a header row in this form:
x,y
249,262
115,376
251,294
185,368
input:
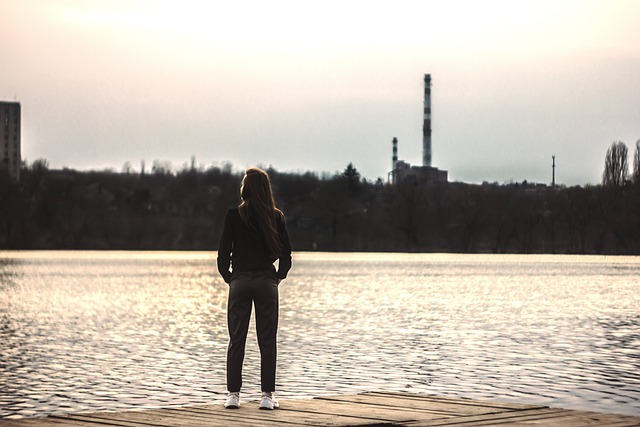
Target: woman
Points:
x,y
254,237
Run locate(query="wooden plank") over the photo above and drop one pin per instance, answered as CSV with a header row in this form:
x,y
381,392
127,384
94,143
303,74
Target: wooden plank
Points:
x,y
428,401
568,421
28,422
249,414
54,421
540,417
156,418
292,412
241,417
90,421
455,401
578,418
375,413
424,405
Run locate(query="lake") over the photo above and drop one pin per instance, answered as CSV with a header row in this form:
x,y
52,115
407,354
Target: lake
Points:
x,y
89,331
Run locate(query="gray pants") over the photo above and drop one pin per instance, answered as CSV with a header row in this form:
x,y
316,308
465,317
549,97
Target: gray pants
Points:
x,y
247,289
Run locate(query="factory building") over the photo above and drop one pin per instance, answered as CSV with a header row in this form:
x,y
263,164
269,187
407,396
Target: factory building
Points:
x,y
402,171
10,157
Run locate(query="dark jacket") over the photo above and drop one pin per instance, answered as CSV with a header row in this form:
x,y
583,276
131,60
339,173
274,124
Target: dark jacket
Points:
x,y
244,249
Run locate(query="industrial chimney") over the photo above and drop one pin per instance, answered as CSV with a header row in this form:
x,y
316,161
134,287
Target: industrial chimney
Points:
x,y
426,127
394,159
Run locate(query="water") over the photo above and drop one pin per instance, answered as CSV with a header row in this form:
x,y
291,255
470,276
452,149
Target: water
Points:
x,y
90,331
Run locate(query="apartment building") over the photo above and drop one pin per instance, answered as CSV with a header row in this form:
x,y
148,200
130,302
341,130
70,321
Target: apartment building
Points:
x,y
10,154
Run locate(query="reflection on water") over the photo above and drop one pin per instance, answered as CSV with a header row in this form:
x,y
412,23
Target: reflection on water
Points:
x,y
86,331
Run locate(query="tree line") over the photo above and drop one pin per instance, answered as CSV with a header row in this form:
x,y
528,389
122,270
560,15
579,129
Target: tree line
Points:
x,y
184,210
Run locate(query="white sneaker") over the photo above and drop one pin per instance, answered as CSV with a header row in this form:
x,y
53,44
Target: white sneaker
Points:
x,y
268,401
233,401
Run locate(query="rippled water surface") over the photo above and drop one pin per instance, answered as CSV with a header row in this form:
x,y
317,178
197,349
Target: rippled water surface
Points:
x,y
87,331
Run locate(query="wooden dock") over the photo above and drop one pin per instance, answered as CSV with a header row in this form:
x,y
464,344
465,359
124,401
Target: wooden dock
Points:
x,y
366,409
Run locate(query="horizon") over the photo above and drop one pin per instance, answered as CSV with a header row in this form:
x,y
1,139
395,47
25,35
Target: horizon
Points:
x,y
203,168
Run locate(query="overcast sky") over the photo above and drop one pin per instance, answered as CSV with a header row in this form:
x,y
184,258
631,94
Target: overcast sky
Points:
x,y
312,86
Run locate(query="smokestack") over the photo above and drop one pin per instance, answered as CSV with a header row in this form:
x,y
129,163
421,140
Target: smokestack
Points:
x,y
394,159
426,127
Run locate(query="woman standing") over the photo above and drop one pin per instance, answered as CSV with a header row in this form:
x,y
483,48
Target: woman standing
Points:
x,y
254,237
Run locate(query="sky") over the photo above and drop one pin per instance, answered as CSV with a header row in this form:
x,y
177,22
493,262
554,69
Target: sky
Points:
x,y
312,86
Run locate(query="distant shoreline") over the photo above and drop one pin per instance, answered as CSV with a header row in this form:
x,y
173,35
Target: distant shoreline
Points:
x,y
161,211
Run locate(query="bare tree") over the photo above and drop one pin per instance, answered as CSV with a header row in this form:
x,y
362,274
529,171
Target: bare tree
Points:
x,y
126,168
616,167
636,164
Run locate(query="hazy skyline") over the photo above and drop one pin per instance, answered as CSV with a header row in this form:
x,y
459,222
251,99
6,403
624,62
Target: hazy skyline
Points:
x,y
314,86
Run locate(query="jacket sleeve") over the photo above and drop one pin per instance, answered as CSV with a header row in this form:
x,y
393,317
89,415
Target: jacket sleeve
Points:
x,y
225,247
284,264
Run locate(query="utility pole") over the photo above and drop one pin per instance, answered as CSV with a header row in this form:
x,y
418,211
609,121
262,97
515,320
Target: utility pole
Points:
x,y
553,176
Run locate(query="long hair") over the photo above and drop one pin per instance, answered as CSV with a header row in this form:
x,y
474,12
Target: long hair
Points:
x,y
258,209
